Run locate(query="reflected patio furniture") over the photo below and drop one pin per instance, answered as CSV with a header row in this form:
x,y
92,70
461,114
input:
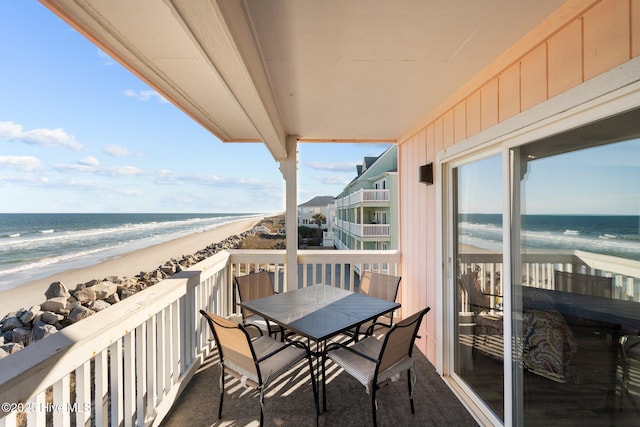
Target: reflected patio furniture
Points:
x,y
584,284
375,361
250,287
255,362
378,285
630,351
487,320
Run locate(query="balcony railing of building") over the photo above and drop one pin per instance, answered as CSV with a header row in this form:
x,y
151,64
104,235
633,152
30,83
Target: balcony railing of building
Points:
x,y
538,271
364,230
128,364
364,196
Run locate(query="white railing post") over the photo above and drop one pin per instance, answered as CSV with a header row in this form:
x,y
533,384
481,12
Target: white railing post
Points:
x,y
37,418
129,346
140,390
176,343
101,375
116,385
83,395
153,367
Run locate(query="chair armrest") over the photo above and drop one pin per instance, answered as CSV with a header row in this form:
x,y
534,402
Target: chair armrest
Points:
x,y
335,345
372,326
491,295
288,344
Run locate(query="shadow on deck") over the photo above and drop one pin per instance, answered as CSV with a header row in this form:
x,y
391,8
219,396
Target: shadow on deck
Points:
x,y
289,401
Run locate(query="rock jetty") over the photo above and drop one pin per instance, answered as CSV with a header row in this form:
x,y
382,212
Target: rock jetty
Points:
x,y
64,306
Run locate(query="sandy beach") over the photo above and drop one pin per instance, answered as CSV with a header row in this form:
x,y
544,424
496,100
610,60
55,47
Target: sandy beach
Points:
x,y
128,264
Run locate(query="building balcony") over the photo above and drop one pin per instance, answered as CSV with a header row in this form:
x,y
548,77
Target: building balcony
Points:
x,y
374,231
364,197
150,357
129,364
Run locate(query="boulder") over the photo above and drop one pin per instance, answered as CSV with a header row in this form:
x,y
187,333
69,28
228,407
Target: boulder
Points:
x,y
21,336
12,347
99,305
113,299
51,318
74,305
80,313
3,353
92,282
85,295
41,331
55,304
57,289
30,314
104,290
11,323
128,281
168,269
126,293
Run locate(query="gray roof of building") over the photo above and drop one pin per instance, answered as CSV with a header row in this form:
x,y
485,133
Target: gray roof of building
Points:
x,y
318,201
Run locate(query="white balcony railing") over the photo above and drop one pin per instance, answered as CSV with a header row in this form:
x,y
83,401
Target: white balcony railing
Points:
x,y
127,365
363,196
365,230
538,270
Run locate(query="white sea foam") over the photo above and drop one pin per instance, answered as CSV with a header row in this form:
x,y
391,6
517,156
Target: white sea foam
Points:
x,y
488,236
33,253
44,262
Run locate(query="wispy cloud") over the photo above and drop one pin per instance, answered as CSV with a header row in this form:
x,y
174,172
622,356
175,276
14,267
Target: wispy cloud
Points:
x,y
22,163
58,137
30,180
168,177
118,151
145,95
89,161
91,165
333,167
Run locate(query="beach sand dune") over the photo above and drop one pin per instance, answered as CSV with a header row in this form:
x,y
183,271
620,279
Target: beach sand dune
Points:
x,y
128,264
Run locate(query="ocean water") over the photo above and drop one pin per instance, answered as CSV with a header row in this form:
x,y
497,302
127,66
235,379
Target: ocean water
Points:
x,y
615,235
34,246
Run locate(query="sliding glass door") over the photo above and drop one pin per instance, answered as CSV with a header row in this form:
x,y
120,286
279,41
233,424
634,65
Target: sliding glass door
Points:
x,y
477,205
578,280
546,315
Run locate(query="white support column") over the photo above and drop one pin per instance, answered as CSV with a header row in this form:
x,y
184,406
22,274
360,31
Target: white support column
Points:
x,y
289,168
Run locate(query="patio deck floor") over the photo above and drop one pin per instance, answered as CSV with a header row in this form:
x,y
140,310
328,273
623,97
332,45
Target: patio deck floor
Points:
x,y
289,401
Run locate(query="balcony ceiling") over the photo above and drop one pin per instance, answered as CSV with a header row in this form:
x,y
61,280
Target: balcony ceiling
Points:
x,y
334,70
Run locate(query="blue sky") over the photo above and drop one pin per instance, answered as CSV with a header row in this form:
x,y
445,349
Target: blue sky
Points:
x,y
79,133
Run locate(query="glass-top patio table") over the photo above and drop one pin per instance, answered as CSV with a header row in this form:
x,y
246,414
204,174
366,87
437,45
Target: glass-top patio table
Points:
x,y
319,312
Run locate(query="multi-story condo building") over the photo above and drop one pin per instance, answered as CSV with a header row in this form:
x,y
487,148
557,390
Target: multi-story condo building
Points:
x,y
367,209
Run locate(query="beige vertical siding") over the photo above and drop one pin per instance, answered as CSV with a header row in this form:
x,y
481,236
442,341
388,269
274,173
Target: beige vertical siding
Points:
x,y
580,41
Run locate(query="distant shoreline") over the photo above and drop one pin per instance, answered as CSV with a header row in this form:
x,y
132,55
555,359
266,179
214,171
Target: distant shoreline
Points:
x,y
127,264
